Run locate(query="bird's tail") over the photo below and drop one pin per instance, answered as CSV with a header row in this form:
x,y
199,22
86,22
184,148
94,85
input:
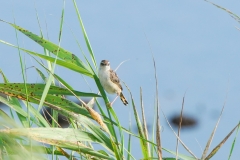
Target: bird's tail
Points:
x,y
123,99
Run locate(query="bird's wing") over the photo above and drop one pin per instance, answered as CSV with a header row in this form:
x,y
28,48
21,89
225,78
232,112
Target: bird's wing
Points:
x,y
114,78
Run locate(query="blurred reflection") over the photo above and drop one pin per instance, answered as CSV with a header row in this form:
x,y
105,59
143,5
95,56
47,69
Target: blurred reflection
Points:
x,y
187,121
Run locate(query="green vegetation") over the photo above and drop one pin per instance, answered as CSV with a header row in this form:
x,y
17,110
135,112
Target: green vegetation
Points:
x,y
26,134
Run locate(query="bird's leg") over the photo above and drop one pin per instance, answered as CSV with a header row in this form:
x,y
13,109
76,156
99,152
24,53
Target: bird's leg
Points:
x,y
113,100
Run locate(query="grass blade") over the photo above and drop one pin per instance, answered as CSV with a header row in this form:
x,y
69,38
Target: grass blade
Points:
x,y
55,49
184,157
129,143
233,15
145,131
36,89
233,144
66,64
214,151
18,109
23,119
179,126
213,132
179,138
158,132
66,138
85,34
143,141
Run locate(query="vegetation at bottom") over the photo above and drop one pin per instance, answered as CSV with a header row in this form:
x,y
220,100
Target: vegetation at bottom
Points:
x,y
27,133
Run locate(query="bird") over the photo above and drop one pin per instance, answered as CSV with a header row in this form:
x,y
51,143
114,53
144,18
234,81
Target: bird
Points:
x,y
110,81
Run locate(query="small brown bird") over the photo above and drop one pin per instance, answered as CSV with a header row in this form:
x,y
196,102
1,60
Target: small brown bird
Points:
x,y
110,81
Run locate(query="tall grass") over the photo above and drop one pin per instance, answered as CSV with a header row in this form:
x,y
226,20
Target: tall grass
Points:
x,y
35,138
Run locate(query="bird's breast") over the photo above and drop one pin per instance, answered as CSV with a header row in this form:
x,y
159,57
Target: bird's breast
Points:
x,y
108,85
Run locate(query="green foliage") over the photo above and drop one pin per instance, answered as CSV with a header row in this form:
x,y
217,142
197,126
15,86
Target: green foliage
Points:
x,y
30,139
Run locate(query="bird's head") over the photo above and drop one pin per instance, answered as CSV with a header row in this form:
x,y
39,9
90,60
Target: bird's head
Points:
x,y
105,64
